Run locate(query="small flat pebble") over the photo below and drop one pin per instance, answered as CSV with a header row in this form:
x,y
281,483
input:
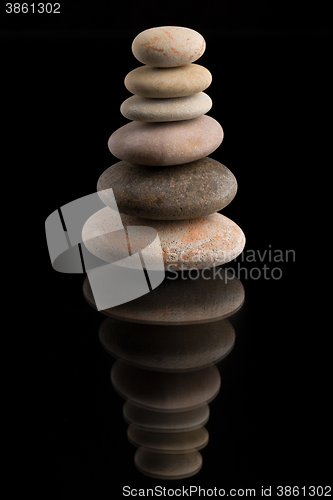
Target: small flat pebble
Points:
x,y
147,109
168,466
166,143
177,192
168,46
182,81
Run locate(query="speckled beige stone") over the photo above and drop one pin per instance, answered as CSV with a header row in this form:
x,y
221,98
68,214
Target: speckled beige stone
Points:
x,y
168,466
147,109
150,420
168,46
177,442
166,143
211,295
186,244
180,192
168,82
161,348
168,392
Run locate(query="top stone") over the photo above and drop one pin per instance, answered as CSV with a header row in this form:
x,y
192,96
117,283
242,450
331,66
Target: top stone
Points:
x,y
168,46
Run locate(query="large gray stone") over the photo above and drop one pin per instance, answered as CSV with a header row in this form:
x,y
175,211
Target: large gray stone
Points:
x,y
178,192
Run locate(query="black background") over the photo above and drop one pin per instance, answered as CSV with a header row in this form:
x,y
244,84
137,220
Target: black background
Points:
x,y
269,425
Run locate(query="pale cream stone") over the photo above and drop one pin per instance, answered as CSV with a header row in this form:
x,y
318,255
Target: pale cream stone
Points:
x,y
147,109
168,46
168,82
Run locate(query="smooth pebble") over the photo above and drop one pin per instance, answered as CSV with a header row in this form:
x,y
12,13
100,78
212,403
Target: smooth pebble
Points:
x,y
168,46
182,81
146,109
176,192
186,244
166,143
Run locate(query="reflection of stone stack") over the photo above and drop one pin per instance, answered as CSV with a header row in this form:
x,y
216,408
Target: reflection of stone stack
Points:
x,y
167,346
165,179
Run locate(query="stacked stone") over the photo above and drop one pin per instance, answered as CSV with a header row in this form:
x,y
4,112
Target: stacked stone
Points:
x,y
165,178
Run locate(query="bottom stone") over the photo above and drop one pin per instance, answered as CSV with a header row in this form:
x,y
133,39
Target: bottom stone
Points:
x,y
186,244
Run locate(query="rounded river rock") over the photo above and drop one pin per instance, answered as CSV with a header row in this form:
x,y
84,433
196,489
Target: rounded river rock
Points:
x,y
198,243
168,82
168,46
178,192
166,143
146,109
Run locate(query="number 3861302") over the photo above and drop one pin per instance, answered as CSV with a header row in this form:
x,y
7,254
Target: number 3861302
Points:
x,y
39,8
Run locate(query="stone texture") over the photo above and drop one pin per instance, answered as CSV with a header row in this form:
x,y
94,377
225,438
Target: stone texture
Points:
x,y
178,442
166,143
168,46
164,110
168,392
182,81
177,192
149,420
186,244
168,466
161,348
212,295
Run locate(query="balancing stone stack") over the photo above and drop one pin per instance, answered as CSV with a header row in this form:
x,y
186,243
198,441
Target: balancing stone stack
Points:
x,y
165,178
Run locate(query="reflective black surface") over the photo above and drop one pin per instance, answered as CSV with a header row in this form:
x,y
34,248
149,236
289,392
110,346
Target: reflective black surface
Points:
x,y
270,423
